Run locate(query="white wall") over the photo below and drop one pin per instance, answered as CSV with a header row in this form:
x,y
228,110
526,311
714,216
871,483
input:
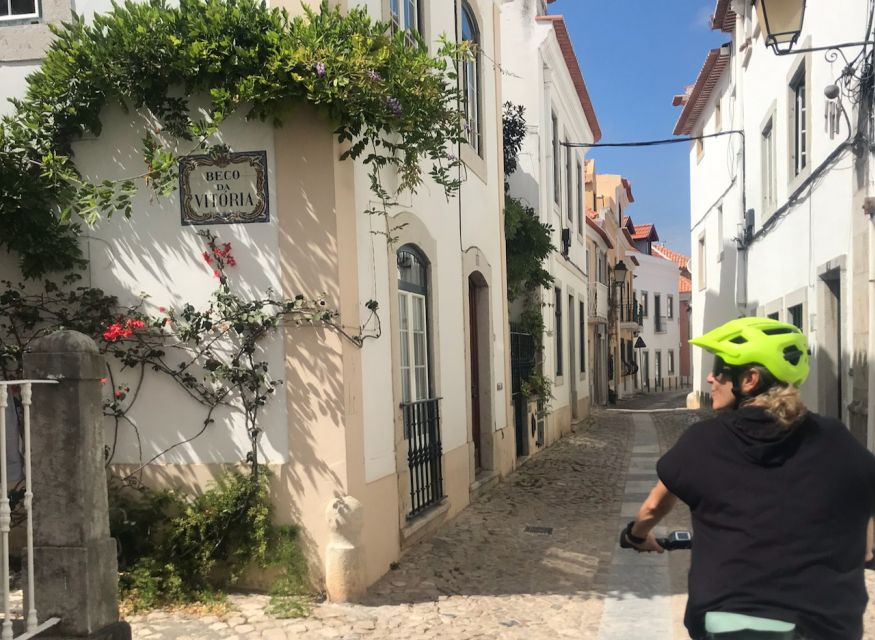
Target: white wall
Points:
x,y
474,229
539,80
783,264
153,253
13,82
656,275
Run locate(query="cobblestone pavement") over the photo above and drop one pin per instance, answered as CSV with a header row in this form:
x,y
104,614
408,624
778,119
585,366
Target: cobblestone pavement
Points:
x,y
484,576
672,399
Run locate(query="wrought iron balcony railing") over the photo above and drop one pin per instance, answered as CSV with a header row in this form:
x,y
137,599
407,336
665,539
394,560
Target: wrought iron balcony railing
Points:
x,y
422,429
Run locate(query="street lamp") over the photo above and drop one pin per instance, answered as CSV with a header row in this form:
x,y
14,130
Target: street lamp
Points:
x,y
620,271
781,22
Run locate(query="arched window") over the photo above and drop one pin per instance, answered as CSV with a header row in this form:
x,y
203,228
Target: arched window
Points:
x,y
471,78
413,302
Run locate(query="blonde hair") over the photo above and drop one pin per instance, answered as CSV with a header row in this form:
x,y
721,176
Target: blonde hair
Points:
x,y
781,401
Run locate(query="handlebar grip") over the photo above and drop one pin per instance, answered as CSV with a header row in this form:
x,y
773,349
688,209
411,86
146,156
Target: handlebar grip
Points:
x,y
674,545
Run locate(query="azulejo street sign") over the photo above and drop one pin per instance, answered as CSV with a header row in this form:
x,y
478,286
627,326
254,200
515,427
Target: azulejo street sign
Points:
x,y
224,187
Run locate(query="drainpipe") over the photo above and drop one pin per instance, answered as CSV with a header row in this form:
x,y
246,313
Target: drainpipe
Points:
x,y
739,36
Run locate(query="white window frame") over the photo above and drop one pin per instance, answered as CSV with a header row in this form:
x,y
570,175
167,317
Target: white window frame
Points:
x,y
580,214
557,172
800,139
768,158
569,185
701,262
416,388
400,16
21,16
472,85
669,306
671,361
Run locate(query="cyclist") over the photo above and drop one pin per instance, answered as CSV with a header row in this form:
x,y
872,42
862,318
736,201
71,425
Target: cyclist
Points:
x,y
780,497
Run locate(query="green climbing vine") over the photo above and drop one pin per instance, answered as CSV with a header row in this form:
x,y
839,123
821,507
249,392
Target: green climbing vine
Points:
x,y
389,100
529,244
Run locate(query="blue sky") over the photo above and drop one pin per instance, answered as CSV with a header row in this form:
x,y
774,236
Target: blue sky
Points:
x,y
635,55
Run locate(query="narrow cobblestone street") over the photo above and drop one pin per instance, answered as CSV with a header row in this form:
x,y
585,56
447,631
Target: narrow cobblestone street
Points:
x,y
536,558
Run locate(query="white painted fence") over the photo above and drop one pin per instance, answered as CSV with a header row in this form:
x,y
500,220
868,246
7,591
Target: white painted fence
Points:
x,y
32,627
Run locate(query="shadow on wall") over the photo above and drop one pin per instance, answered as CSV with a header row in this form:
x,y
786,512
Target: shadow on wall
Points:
x,y
718,306
309,360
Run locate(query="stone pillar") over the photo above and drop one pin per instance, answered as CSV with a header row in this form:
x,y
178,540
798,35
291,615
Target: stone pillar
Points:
x,y
76,570
344,562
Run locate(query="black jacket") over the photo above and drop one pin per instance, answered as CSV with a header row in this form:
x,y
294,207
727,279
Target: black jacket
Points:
x,y
779,520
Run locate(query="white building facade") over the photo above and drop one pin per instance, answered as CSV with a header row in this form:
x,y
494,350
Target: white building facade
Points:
x,y
543,76
659,359
783,233
340,425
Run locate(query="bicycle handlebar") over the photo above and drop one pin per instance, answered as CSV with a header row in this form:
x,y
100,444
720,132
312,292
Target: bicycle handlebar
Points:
x,y
676,540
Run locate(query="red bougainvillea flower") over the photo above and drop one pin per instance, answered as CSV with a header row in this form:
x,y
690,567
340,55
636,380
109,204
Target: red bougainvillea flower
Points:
x,y
162,309
124,328
103,380
207,257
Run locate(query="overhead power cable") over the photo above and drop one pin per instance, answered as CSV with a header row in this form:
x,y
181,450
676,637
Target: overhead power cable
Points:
x,y
649,143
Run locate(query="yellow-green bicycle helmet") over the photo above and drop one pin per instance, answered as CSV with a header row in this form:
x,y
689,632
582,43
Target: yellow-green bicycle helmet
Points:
x,y
779,347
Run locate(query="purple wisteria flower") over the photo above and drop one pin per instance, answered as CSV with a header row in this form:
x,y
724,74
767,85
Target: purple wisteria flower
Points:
x,y
452,157
320,69
373,75
394,106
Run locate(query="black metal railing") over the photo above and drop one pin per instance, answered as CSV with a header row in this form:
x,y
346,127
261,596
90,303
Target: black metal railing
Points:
x,y
522,362
422,429
631,312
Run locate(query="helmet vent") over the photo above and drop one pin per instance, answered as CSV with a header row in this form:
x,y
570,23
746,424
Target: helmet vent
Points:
x,y
792,355
738,340
777,331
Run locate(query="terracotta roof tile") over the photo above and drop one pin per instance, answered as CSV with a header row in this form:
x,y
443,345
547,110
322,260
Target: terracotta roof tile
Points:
x,y
685,285
573,65
695,101
678,258
645,232
724,17
595,226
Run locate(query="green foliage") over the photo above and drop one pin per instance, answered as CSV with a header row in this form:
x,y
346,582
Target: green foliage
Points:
x,y
528,245
290,596
177,549
539,386
389,99
514,132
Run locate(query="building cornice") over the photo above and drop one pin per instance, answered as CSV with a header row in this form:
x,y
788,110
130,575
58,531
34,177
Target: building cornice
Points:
x,y
695,101
571,62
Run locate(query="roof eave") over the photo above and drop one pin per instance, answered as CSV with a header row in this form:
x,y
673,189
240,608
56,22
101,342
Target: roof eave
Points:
x,y
571,62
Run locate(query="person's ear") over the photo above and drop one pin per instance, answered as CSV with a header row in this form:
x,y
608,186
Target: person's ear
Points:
x,y
750,380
